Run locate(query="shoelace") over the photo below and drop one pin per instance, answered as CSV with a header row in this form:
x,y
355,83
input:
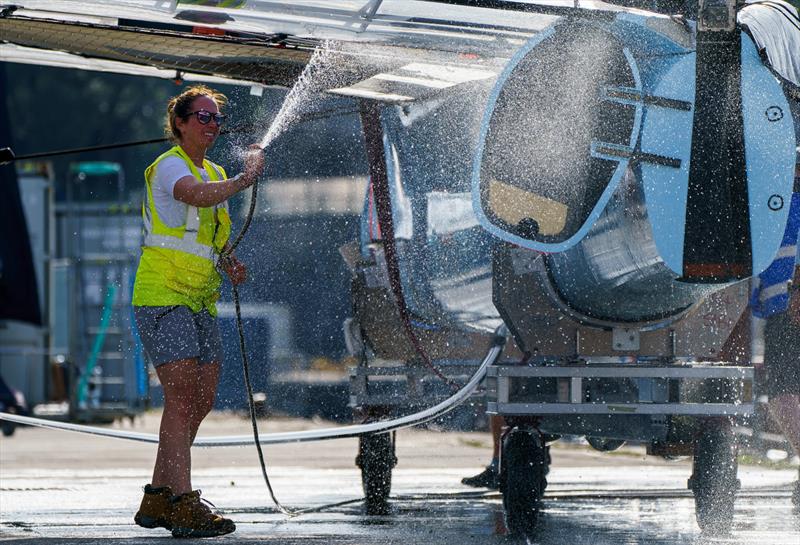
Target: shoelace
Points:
x,y
209,505
201,500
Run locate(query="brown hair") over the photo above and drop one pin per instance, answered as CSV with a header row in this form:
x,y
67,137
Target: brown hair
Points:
x,y
180,106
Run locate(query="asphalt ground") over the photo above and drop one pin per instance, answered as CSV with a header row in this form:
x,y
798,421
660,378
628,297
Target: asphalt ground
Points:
x,y
65,488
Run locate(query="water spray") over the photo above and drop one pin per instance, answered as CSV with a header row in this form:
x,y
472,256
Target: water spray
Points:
x,y
287,113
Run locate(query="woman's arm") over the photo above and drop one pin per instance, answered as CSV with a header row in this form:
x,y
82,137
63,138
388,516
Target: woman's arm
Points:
x,y
203,195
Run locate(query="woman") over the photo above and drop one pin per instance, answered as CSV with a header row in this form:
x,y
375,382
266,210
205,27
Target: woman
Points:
x,y
186,226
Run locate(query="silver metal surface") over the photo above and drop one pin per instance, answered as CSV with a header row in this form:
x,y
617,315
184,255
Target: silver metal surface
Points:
x,y
657,390
625,339
594,371
689,409
616,273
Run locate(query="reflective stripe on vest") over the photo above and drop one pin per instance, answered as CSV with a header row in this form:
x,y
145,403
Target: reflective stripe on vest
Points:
x,y
188,243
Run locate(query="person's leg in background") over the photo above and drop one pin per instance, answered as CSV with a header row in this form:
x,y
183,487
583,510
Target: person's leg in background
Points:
x,y
782,347
782,360
489,477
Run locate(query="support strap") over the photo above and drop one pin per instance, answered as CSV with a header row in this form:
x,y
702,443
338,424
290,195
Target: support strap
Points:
x,y
373,135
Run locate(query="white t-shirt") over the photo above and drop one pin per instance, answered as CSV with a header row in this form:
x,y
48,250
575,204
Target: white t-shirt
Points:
x,y
169,170
775,27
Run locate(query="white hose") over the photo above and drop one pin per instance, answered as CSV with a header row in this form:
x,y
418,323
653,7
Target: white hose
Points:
x,y
294,436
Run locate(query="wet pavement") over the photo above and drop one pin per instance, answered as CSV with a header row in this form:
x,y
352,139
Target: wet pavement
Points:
x,y
57,488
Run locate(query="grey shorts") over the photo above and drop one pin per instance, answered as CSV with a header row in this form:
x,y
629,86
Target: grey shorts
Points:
x,y
782,355
177,333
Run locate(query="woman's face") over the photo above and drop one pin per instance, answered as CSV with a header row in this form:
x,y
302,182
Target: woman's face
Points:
x,y
194,133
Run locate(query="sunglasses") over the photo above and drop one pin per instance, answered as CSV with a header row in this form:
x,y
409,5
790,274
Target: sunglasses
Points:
x,y
204,117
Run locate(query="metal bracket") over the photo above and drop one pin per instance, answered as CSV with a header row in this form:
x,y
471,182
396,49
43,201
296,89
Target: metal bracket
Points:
x,y
367,13
716,15
625,339
398,385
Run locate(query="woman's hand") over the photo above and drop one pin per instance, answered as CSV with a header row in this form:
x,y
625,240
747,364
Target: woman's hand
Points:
x,y
235,270
253,165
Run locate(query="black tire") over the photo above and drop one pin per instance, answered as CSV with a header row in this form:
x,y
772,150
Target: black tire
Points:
x,y
604,444
524,466
8,428
376,459
713,482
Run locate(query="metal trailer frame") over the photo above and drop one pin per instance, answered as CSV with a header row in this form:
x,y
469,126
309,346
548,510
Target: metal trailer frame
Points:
x,y
677,383
678,409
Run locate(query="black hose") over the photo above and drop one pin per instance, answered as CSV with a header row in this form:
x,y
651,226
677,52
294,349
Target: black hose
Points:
x,y
7,155
248,220
243,349
251,404
246,362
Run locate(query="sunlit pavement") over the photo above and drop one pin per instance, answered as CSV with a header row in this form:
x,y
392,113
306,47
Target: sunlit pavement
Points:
x,y
593,498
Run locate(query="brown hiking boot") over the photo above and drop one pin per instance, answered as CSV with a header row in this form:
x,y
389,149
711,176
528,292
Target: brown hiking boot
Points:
x,y
193,518
156,508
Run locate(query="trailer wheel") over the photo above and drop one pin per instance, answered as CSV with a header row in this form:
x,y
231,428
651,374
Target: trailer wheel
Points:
x,y
376,458
524,466
8,428
713,482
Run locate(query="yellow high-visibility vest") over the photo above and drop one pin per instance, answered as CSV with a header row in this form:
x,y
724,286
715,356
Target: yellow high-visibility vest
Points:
x,y
178,264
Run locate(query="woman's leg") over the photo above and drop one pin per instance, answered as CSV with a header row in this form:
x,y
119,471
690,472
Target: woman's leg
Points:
x,y
207,372
173,462
207,378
